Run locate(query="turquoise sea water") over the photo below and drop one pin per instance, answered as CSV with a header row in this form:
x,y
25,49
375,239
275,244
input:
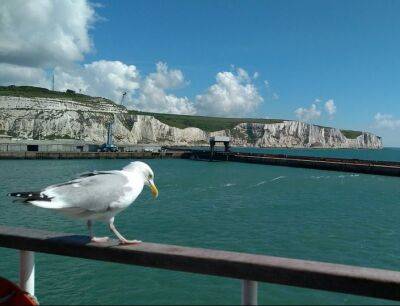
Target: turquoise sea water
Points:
x,y
290,212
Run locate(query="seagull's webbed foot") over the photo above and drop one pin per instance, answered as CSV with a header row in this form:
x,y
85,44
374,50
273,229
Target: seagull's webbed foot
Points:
x,y
99,239
122,240
127,242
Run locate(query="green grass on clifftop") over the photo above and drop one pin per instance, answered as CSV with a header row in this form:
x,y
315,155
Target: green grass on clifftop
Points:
x,y
209,124
351,134
212,124
38,92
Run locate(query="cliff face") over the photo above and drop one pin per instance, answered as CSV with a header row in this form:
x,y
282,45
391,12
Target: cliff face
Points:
x,y
295,134
41,118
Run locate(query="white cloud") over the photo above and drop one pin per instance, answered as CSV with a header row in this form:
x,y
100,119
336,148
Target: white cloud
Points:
x,y
275,96
242,75
231,95
330,107
385,121
153,94
266,83
107,79
167,78
71,79
44,33
40,35
309,114
314,112
256,75
18,75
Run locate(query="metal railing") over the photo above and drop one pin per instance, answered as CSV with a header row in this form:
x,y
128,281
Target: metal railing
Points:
x,y
249,268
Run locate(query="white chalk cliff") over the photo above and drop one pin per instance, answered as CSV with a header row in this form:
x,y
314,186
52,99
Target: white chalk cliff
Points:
x,y
44,118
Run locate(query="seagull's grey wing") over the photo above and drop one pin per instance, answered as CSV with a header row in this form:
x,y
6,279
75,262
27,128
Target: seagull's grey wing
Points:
x,y
82,175
94,193
93,173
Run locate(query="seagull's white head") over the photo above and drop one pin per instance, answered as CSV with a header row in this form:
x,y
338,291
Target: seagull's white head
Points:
x,y
143,169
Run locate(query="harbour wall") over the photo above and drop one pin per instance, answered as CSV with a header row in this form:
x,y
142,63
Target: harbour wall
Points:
x,y
332,164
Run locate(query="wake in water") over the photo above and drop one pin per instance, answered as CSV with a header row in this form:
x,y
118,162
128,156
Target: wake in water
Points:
x,y
348,175
264,182
277,178
338,176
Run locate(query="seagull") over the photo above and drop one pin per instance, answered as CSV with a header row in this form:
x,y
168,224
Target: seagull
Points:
x,y
96,196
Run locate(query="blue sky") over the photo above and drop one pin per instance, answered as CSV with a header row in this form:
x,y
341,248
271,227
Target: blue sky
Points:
x,y
348,51
308,51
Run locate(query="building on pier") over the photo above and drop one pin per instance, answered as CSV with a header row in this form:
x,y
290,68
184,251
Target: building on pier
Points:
x,y
8,144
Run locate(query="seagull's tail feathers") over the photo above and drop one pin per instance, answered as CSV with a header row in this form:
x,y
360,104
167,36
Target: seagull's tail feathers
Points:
x,y
26,196
35,198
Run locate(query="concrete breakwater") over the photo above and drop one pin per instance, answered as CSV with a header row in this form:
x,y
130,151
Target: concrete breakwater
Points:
x,y
333,164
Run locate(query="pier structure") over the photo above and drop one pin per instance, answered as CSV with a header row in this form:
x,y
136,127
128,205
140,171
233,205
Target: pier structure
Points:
x,y
249,268
143,154
10,145
214,140
388,168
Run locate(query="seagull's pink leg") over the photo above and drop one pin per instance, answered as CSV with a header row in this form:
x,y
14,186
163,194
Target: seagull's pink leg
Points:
x,y
120,237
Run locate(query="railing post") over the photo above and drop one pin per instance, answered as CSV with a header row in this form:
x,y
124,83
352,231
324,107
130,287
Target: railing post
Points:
x,y
249,293
27,272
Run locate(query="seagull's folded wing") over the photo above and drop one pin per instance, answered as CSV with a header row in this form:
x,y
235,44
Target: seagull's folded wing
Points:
x,y
94,193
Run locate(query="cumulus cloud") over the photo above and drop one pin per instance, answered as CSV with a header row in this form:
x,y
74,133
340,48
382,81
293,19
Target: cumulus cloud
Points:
x,y
167,78
330,107
109,79
314,112
39,36
233,94
309,114
19,75
44,33
386,121
153,95
242,75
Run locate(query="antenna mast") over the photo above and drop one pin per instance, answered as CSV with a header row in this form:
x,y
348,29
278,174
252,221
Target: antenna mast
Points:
x,y
110,125
122,98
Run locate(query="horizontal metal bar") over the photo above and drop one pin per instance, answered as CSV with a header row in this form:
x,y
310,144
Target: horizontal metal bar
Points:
x,y
300,273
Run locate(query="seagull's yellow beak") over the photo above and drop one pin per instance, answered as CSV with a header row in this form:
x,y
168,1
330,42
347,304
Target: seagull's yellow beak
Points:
x,y
153,188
